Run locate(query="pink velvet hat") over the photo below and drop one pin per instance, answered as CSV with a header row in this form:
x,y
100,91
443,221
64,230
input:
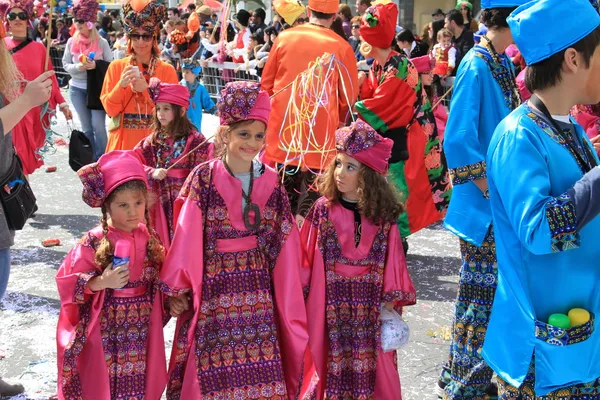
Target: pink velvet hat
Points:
x,y
241,101
169,93
363,143
111,171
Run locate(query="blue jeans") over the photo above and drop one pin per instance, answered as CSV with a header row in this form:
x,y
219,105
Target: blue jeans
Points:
x,y
93,122
4,270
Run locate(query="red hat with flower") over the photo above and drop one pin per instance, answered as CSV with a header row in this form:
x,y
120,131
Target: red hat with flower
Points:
x,y
378,25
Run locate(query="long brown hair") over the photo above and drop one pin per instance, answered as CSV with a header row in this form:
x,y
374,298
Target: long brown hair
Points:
x,y
179,128
105,251
377,199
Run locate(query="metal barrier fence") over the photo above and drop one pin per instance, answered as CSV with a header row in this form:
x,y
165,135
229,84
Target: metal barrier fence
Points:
x,y
216,76
56,55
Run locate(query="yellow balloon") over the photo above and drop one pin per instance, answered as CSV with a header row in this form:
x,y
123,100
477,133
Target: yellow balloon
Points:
x,y
578,316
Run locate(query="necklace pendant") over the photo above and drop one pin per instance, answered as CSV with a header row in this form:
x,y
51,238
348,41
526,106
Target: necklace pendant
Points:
x,y
249,208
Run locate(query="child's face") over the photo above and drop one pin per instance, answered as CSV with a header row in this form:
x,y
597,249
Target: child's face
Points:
x,y
127,210
427,78
346,175
446,42
189,76
165,113
244,143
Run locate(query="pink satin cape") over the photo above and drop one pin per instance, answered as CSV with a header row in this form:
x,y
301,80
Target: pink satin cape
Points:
x,y
395,278
183,270
91,364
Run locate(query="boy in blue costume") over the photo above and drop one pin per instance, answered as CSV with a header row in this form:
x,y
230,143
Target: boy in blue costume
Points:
x,y
485,92
544,184
199,98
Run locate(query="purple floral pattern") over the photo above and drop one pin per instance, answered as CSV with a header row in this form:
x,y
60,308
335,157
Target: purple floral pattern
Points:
x,y
352,309
93,185
356,138
237,353
237,101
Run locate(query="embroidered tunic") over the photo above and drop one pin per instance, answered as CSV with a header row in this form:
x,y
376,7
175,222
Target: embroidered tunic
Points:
x,y
159,151
547,262
345,287
246,336
110,341
390,98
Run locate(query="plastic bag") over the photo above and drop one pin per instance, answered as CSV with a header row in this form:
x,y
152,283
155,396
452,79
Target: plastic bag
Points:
x,y
394,331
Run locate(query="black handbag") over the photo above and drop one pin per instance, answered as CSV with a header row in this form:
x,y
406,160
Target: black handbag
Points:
x,y
81,150
16,196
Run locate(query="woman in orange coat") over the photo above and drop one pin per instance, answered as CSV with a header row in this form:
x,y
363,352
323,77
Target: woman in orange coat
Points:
x,y
124,93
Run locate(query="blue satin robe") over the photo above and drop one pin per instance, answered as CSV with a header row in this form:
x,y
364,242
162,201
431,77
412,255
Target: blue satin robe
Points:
x,y
477,106
546,264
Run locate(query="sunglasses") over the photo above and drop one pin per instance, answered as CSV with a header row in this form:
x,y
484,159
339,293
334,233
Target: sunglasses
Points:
x,y
79,21
355,26
22,16
302,20
145,37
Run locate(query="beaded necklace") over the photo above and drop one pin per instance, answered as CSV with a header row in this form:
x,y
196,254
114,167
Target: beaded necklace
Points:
x,y
503,75
166,152
250,206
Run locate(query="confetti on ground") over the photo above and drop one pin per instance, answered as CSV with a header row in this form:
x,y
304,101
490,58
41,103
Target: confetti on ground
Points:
x,y
443,332
51,242
51,169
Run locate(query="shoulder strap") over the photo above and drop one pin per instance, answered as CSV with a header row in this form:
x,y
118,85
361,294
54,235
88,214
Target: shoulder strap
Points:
x,y
20,46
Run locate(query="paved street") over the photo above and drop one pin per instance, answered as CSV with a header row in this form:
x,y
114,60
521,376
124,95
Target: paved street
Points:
x,y
29,311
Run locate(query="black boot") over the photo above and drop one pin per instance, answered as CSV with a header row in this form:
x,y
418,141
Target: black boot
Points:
x,y
8,390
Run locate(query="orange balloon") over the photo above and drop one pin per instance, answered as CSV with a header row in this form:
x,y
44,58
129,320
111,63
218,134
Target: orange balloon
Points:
x,y
139,5
193,23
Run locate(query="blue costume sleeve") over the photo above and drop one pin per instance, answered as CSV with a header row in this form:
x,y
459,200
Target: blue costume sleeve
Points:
x,y
208,104
518,169
464,153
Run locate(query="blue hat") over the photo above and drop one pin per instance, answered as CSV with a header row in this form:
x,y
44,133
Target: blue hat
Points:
x,y
192,65
538,38
502,3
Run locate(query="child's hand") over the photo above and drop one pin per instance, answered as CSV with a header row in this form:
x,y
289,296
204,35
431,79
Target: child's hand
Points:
x,y
115,278
361,78
178,305
159,174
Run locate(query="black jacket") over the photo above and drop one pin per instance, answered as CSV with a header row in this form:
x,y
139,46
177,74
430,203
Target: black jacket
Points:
x,y
462,44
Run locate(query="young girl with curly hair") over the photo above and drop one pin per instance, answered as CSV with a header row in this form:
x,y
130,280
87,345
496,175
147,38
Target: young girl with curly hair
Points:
x,y
110,329
353,265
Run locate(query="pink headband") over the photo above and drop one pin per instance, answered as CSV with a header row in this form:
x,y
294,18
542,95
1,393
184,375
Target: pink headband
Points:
x,y
241,101
363,143
111,171
169,93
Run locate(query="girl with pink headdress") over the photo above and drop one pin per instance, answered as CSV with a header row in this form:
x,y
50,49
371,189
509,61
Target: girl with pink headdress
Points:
x,y
236,253
110,328
175,143
29,135
354,265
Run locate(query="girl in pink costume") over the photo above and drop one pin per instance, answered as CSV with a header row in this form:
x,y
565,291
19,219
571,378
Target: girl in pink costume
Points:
x,y
174,141
236,251
353,265
110,328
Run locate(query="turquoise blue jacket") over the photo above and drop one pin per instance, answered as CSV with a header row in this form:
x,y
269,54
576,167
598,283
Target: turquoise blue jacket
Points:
x,y
546,264
199,103
477,107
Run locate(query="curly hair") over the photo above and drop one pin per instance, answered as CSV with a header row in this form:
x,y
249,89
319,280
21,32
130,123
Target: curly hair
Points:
x,y
105,251
378,200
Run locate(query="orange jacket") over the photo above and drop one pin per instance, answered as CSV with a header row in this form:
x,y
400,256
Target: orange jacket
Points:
x,y
136,121
293,51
